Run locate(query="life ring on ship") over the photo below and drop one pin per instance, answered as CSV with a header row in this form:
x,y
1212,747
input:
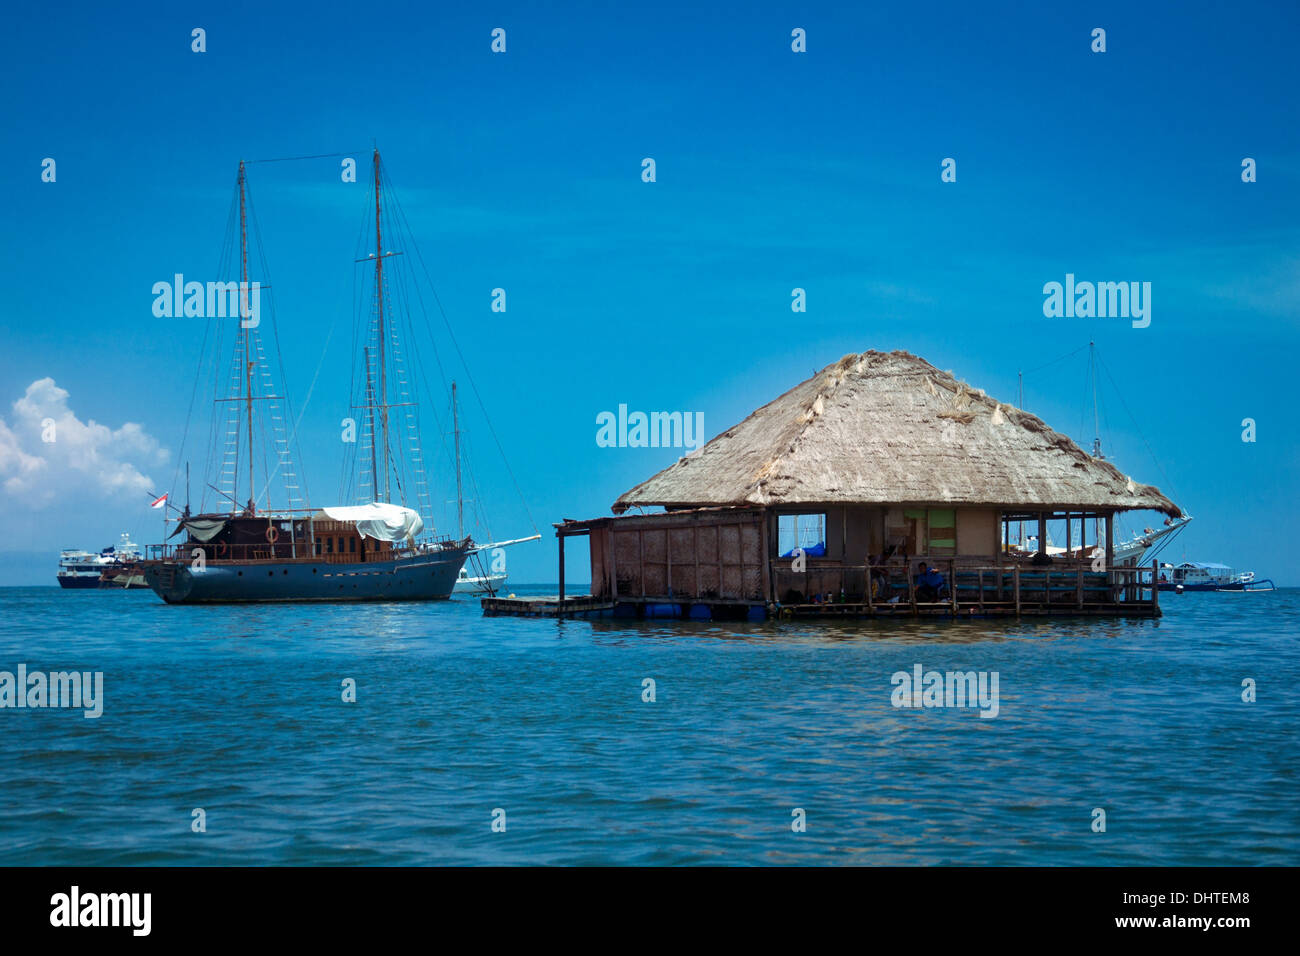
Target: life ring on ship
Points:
x,y
271,534
221,548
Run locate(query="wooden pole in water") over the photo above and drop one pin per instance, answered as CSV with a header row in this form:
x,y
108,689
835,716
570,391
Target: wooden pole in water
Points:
x,y
560,537
1110,550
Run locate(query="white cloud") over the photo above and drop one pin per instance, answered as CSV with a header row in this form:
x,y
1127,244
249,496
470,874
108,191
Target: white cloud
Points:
x,y
85,459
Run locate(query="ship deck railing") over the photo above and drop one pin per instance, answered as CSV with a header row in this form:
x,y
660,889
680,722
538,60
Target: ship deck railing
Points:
x,y
282,550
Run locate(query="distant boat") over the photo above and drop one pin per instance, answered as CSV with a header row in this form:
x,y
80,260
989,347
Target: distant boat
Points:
x,y
1209,576
484,584
113,567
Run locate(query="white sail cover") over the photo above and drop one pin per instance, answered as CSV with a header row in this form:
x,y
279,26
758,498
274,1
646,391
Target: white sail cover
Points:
x,y
379,520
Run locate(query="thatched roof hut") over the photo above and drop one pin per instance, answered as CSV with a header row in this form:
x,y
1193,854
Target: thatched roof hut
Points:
x,y
888,427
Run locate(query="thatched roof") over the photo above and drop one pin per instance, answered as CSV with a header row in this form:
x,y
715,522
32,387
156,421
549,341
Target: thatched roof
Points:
x,y
890,428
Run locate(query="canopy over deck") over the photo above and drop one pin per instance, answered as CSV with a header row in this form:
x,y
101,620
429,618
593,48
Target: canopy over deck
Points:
x,y
380,520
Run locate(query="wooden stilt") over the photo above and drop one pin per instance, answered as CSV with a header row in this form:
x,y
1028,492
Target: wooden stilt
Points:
x,y
560,538
952,585
911,588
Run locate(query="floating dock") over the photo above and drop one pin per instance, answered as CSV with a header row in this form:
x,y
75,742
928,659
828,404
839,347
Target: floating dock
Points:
x,y
1057,594
553,606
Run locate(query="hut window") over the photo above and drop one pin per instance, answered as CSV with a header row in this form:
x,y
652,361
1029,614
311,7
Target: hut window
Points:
x,y
318,545
329,545
801,531
941,525
352,545
340,545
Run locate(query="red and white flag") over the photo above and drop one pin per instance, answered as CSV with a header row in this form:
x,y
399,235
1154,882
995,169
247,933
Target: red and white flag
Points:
x,y
160,502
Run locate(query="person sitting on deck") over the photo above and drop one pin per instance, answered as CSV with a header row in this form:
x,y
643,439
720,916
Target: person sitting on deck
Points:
x,y
930,584
1041,559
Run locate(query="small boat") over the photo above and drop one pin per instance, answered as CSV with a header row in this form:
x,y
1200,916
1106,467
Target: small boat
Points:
x,y
1209,576
482,584
113,567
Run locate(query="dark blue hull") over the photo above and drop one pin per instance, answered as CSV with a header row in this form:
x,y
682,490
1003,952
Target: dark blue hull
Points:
x,y
67,581
422,577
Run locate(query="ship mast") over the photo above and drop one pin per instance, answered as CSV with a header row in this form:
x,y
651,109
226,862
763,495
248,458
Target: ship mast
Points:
x,y
370,401
1096,422
379,295
460,499
243,316
1096,430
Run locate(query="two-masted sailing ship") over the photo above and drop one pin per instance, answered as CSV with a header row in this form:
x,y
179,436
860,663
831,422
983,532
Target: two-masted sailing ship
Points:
x,y
377,549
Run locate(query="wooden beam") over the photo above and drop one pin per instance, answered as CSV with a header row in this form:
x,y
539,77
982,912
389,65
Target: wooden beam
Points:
x,y
613,566
911,588
696,537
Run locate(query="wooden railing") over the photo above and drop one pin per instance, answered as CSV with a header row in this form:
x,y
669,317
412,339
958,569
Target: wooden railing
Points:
x,y
285,549
281,550
967,585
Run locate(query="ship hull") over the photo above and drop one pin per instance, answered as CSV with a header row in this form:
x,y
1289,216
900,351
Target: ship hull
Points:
x,y
422,577
78,581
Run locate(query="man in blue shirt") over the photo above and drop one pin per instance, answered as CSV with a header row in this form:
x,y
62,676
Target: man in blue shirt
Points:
x,y
930,584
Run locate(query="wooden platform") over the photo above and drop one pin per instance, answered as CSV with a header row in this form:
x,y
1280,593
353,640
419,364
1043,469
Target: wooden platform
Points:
x,y
582,606
945,609
586,606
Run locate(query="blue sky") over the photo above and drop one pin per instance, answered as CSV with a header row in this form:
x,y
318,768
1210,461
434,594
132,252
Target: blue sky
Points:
x,y
775,170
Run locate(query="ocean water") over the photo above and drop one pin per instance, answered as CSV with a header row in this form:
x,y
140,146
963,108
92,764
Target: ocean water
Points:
x,y
239,711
